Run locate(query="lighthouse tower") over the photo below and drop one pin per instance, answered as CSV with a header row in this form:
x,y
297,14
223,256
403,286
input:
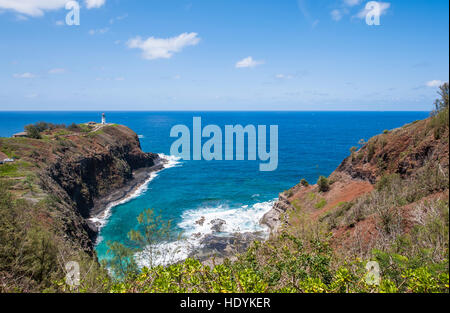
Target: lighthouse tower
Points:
x,y
103,119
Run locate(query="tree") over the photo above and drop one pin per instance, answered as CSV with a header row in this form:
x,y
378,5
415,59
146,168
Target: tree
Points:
x,y
323,183
74,127
442,103
146,240
122,263
33,132
152,231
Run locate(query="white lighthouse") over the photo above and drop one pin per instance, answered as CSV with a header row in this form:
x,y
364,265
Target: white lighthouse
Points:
x,y
103,119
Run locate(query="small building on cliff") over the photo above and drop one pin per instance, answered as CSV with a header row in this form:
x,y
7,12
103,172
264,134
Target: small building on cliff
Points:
x,y
20,135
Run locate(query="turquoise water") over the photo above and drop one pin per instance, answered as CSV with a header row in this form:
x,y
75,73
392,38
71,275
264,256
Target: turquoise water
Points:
x,y
310,144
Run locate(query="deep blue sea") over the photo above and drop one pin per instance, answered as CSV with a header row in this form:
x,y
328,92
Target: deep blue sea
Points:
x,y
310,144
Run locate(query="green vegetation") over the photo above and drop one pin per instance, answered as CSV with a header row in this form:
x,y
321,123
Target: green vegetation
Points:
x,y
33,132
323,184
320,204
406,216
304,182
32,257
15,169
74,127
37,130
152,230
290,264
289,193
440,115
370,151
301,259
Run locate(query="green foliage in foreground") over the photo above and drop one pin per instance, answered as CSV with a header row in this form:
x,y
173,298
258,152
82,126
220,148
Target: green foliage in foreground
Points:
x,y
288,268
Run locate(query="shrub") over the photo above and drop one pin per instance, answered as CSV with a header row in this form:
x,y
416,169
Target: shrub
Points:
x,y
289,193
441,104
74,127
386,181
370,152
319,205
304,182
323,183
33,132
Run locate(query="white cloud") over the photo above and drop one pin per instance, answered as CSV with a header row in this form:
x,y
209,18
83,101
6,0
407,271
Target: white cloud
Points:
x,y
57,71
163,48
352,3
59,23
24,75
21,17
336,15
38,7
32,7
434,83
119,18
283,76
100,31
92,4
119,79
248,62
384,6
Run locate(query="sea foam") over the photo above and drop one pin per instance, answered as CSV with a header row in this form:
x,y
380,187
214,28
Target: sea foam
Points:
x,y
244,219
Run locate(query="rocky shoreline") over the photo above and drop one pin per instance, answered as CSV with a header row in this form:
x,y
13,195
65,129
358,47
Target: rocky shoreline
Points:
x,y
216,247
273,218
102,204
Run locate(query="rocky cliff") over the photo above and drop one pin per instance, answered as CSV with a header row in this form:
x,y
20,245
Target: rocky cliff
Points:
x,y
376,194
73,172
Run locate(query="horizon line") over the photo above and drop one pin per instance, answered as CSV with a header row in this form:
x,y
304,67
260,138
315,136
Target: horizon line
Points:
x,y
100,110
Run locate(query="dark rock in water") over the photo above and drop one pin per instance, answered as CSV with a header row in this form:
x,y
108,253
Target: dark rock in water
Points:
x,y
201,221
221,247
217,225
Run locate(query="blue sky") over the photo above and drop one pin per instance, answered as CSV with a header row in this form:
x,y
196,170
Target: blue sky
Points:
x,y
222,55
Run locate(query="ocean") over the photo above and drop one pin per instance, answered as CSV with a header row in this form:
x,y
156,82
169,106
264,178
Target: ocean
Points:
x,y
310,144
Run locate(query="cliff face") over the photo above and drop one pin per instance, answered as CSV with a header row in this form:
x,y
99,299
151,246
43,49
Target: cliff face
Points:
x,y
272,219
93,167
377,193
401,151
72,171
